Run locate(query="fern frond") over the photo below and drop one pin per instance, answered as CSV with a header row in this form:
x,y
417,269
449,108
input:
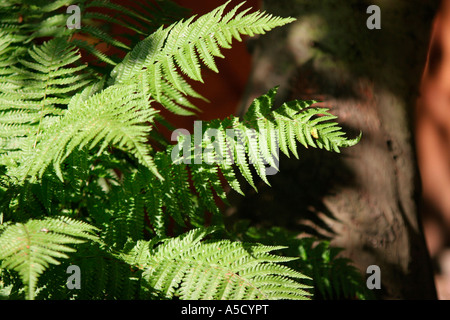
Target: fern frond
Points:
x,y
116,115
173,197
135,23
48,19
185,46
190,268
29,248
335,277
44,79
142,18
36,92
255,142
9,51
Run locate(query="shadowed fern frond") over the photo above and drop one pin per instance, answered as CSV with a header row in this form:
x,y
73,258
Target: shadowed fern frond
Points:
x,y
137,21
333,276
29,248
44,18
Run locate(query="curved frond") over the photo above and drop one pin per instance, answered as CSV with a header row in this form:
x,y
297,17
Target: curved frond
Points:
x,y
189,268
256,141
165,57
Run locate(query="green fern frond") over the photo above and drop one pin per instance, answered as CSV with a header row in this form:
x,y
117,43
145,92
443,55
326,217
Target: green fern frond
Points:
x,y
335,277
29,248
38,90
116,115
131,19
44,80
185,46
48,18
174,197
255,142
142,18
9,51
35,95
189,268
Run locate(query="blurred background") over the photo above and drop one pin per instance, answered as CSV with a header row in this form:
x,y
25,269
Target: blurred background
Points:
x,y
432,134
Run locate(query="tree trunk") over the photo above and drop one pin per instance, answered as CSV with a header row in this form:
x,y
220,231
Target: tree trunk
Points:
x,y
366,198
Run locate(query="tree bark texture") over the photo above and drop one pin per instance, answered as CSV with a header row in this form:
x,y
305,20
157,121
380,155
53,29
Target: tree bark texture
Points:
x,y
364,199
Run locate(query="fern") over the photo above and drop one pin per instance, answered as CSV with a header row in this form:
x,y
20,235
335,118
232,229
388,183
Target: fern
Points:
x,y
29,248
187,268
157,51
331,275
35,93
155,62
112,115
87,178
255,140
48,19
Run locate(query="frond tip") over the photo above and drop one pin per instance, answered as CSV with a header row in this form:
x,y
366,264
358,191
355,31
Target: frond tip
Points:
x,y
160,61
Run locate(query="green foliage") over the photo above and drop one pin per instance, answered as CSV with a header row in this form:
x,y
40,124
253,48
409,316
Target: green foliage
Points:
x,y
187,268
87,179
263,131
185,46
30,247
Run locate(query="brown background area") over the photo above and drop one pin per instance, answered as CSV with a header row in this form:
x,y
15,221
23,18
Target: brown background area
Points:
x,y
433,147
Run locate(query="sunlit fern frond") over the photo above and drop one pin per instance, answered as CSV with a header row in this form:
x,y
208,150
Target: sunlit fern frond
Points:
x,y
115,116
255,141
163,59
189,268
36,93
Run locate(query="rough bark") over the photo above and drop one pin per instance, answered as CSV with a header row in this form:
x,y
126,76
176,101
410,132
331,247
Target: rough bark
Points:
x,y
366,198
